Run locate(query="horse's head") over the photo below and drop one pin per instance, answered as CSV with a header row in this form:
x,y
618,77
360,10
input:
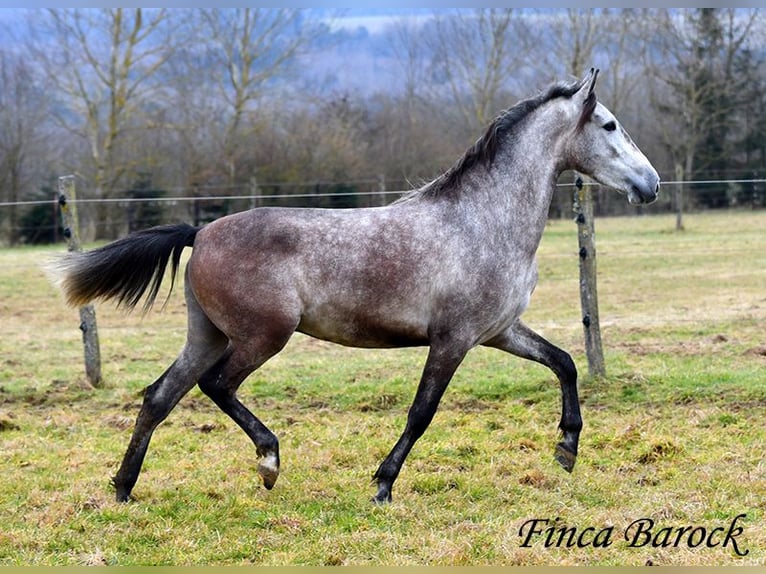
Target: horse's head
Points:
x,y
603,150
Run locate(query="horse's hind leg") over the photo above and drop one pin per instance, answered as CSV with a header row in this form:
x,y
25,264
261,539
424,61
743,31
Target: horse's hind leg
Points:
x,y
521,341
204,345
221,382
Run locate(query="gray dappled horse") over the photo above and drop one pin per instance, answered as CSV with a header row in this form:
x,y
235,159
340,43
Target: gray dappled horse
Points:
x,y
450,266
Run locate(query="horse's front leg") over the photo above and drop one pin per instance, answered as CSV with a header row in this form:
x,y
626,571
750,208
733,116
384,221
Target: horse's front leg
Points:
x,y
443,360
521,341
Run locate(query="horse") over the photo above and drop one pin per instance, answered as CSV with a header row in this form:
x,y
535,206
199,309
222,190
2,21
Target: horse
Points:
x,y
450,265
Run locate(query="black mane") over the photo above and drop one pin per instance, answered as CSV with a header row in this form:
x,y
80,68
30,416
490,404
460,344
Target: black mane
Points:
x,y
484,150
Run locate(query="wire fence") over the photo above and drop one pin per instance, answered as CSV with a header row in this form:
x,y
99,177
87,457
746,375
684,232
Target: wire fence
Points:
x,y
124,197
36,220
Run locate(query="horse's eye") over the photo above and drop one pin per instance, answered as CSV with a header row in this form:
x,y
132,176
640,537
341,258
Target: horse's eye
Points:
x,y
610,126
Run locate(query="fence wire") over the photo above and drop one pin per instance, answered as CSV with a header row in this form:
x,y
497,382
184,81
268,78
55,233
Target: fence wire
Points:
x,y
126,199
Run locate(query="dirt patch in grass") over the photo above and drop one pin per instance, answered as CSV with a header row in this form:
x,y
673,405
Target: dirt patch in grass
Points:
x,y
7,422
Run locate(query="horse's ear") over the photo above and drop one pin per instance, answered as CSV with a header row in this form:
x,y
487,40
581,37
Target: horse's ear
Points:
x,y
590,80
588,97
587,84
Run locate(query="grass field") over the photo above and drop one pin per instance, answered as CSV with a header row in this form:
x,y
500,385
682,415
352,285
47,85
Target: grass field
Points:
x,y
675,433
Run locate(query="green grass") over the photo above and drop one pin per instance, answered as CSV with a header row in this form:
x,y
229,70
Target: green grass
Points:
x,y
674,433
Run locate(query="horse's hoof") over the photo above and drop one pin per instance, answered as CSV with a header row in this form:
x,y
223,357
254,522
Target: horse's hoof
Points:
x,y
268,468
122,494
382,497
565,457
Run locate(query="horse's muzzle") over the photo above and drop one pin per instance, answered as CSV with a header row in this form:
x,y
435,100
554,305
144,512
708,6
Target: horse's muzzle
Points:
x,y
644,193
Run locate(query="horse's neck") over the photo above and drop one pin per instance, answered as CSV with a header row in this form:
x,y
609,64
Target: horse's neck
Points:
x,y
517,190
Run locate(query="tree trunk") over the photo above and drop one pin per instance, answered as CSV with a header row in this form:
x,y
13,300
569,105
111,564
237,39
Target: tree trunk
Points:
x,y
678,197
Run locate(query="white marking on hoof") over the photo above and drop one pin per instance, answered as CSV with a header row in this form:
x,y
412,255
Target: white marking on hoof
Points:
x,y
268,468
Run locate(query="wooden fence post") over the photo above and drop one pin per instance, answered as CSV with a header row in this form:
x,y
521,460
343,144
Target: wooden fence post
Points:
x,y
68,205
586,239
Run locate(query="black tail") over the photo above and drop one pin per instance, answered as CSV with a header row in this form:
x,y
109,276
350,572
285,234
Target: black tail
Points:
x,y
125,269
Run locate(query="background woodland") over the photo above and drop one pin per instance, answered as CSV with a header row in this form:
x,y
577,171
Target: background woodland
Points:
x,y
252,107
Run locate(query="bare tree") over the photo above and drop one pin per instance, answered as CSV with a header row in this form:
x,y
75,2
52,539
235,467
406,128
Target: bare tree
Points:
x,y
694,91
102,63
407,45
193,114
251,46
751,123
478,53
23,109
578,38
607,38
412,129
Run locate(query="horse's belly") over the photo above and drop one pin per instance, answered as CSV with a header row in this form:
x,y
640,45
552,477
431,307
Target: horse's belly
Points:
x,y
363,329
